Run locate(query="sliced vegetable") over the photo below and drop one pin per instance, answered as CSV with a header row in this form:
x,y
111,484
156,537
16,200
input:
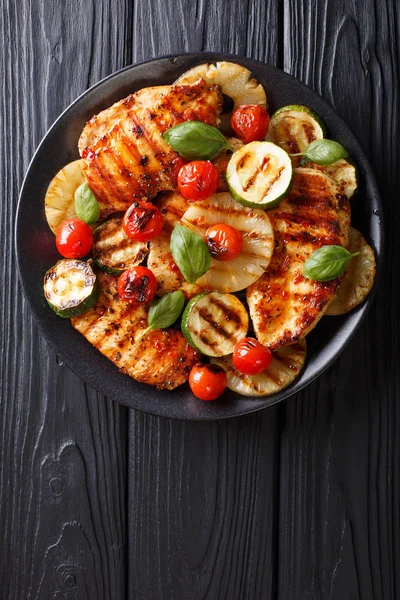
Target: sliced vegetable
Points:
x,y
250,122
195,140
257,241
224,241
207,382
137,285
198,180
327,263
287,362
142,222
294,127
70,287
213,323
190,253
250,357
113,251
358,278
235,82
86,206
59,202
259,174
74,239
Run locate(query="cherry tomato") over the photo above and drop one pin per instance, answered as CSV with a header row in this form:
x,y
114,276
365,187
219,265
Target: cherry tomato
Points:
x,y
224,242
250,122
142,221
74,239
198,180
250,357
137,285
207,382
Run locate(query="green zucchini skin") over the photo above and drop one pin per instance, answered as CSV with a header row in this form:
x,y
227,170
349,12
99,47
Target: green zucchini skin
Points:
x,y
113,251
72,307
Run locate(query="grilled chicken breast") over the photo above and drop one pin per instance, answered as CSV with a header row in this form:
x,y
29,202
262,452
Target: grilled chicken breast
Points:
x,y
125,154
160,357
285,306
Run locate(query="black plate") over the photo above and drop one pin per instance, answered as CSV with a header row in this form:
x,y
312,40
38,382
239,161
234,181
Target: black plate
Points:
x,y
36,250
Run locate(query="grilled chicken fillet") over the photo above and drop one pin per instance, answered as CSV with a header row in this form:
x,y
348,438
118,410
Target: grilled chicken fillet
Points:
x,y
161,357
285,306
126,157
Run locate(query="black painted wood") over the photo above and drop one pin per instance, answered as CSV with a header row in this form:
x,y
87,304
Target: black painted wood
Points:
x,y
299,501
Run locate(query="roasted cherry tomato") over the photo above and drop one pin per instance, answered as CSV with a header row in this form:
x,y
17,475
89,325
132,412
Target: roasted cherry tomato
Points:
x,y
207,382
142,221
137,285
250,122
198,180
74,239
224,242
250,357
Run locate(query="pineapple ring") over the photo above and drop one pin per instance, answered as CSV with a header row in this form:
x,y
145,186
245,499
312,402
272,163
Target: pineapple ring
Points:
x,y
358,278
258,241
234,80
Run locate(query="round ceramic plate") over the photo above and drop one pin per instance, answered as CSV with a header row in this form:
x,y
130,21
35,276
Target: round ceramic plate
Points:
x,y
36,250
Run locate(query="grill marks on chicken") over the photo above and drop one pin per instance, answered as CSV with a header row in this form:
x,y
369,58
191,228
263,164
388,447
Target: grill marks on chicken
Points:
x,y
285,306
125,154
161,357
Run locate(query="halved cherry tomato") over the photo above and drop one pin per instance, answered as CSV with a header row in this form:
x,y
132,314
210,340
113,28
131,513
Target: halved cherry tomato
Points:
x,y
250,122
198,179
74,239
142,221
224,242
137,285
207,382
250,357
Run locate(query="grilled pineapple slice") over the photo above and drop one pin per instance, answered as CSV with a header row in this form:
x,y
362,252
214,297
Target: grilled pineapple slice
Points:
x,y
234,80
258,241
343,173
287,362
59,202
358,278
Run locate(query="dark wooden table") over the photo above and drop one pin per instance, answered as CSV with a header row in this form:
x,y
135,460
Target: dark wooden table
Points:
x,y
300,501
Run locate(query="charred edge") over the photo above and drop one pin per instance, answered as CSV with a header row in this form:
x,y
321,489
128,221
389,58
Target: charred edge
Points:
x,y
208,318
230,315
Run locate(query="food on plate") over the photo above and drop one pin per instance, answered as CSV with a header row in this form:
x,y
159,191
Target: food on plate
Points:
x,y
207,382
358,278
284,305
251,233
259,174
286,364
161,357
213,323
71,287
113,251
74,239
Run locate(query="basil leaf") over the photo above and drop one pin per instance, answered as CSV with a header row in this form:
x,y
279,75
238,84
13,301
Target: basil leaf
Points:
x,y
195,140
327,263
86,206
325,152
190,253
165,311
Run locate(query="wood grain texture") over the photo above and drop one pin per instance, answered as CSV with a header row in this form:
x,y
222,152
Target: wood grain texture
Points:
x,y
62,447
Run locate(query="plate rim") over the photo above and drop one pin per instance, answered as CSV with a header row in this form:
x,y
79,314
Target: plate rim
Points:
x,y
363,309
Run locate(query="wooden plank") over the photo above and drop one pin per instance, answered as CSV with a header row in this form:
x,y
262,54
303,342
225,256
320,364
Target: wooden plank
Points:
x,y
62,446
202,520
339,481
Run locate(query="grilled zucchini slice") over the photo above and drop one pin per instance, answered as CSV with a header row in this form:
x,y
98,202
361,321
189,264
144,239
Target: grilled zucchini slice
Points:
x,y
213,323
235,82
71,287
358,278
259,174
287,363
293,128
257,235
113,251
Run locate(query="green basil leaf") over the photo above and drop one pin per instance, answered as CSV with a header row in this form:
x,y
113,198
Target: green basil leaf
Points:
x,y
86,206
325,152
327,263
195,140
165,311
190,253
